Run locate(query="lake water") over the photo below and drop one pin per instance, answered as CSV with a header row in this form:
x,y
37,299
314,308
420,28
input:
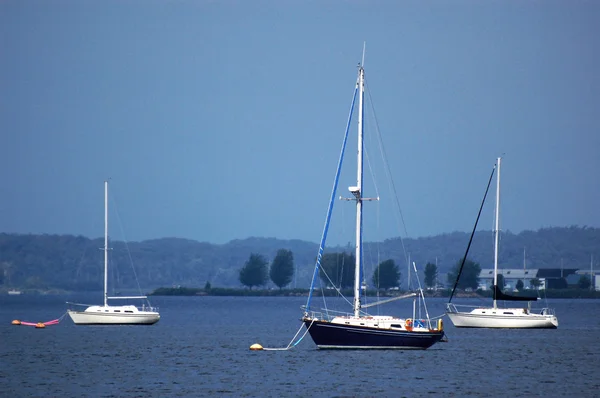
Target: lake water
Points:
x,y
200,347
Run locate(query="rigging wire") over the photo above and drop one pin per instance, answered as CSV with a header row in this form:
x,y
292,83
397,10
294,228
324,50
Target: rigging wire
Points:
x,y
472,234
120,224
372,172
389,175
378,208
421,296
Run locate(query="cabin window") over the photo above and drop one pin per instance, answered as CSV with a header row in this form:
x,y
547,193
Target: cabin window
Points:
x,y
129,311
117,310
347,323
395,325
490,272
507,313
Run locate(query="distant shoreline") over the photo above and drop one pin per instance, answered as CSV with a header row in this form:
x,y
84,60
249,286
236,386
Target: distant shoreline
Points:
x,y
300,292
303,292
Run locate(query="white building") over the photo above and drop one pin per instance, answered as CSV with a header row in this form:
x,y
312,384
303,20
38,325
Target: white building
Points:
x,y
511,278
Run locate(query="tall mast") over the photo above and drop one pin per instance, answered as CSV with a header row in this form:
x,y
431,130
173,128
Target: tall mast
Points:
x,y
497,229
105,242
357,191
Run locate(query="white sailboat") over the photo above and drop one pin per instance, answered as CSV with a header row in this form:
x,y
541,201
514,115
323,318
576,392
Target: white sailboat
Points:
x,y
113,314
359,329
494,316
12,291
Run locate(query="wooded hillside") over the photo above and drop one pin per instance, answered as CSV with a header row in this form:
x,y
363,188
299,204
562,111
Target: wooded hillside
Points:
x,y
76,263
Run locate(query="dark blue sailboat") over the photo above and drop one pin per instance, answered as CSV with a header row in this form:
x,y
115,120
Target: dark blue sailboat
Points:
x,y
359,330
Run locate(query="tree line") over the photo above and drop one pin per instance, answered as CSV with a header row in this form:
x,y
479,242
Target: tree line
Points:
x,y
74,263
336,271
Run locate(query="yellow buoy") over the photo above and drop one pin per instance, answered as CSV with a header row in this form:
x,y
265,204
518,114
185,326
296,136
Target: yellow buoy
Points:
x,y
16,322
40,325
440,325
256,347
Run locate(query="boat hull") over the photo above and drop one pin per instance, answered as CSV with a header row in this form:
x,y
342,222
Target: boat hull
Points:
x,y
87,318
327,335
503,321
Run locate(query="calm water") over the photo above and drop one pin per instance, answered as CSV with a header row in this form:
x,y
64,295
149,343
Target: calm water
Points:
x,y
200,348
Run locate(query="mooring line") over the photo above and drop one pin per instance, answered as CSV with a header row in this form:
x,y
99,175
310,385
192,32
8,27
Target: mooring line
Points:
x,y
40,324
292,344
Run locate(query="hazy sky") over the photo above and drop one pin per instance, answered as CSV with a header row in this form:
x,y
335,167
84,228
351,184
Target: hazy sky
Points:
x,y
221,120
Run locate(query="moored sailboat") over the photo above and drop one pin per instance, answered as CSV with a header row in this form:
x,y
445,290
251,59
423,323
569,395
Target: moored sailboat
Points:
x,y
494,316
359,329
113,314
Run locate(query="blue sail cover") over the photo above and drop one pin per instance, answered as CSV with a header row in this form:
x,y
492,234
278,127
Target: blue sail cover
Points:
x,y
331,201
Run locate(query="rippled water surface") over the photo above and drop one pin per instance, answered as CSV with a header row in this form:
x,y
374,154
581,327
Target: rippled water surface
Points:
x,y
200,348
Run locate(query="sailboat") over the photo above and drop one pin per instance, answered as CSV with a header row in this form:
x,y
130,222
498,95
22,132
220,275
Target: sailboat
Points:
x,y
494,316
113,314
359,329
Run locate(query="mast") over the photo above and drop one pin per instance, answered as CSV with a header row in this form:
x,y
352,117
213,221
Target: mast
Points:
x,y
105,242
497,229
436,273
408,274
357,191
592,287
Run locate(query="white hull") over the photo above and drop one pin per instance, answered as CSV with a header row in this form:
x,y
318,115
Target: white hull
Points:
x,y
14,292
502,318
111,315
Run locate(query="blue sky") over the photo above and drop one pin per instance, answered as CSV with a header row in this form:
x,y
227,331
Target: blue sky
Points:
x,y
221,120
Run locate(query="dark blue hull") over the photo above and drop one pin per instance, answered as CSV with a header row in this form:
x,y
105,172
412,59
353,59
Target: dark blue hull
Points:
x,y
327,335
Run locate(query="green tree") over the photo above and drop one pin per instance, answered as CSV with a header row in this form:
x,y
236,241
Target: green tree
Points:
x,y
469,277
430,274
520,285
501,282
282,268
535,283
560,284
337,268
386,275
584,282
254,272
